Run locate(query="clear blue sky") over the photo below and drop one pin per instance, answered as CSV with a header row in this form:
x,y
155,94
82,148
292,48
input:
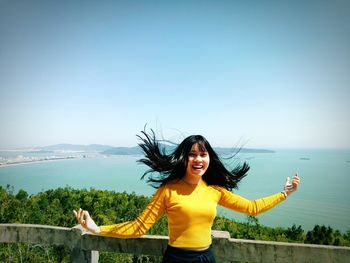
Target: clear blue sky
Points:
x,y
265,73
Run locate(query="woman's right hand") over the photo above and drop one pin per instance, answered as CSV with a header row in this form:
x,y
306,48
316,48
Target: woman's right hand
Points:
x,y
85,220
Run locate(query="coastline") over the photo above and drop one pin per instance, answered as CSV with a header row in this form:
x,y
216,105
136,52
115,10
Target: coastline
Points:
x,y
31,161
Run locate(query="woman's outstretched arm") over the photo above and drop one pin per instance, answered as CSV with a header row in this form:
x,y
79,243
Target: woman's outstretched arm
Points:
x,y
255,207
129,229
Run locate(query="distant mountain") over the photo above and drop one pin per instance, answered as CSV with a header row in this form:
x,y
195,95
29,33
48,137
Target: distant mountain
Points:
x,y
75,147
222,150
137,150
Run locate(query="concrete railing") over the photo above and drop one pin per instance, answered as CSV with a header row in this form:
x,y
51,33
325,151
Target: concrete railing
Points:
x,y
85,247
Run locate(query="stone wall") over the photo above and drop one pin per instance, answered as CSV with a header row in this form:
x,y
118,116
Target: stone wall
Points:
x,y
85,246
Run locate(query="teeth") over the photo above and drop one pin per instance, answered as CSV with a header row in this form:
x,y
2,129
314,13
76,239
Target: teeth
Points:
x,y
198,167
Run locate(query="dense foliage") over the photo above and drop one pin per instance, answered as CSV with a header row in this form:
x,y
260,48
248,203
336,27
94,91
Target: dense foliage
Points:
x,y
54,207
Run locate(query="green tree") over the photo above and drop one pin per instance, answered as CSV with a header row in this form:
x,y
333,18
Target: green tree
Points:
x,y
54,207
295,233
320,235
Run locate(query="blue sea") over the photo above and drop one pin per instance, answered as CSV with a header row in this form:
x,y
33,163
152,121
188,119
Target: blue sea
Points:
x,y
323,196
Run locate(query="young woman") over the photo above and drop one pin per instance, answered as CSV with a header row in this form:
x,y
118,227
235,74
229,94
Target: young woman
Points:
x,y
191,182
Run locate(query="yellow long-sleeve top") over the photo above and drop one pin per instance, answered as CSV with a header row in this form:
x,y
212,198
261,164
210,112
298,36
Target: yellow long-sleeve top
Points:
x,y
191,210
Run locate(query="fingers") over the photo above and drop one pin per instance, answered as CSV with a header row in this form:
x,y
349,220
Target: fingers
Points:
x,y
77,213
296,180
81,215
85,216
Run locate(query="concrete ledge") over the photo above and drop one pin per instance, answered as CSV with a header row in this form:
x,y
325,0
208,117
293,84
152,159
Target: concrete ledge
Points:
x,y
225,248
269,251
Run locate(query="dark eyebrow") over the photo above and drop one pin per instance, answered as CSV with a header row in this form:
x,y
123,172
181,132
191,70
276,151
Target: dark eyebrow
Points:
x,y
200,151
202,148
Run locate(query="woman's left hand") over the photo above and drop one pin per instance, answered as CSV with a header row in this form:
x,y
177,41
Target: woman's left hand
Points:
x,y
291,185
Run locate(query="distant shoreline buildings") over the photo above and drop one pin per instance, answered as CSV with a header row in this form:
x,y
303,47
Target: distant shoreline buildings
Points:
x,y
57,152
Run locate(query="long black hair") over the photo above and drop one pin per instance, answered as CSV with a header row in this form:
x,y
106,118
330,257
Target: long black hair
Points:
x,y
172,166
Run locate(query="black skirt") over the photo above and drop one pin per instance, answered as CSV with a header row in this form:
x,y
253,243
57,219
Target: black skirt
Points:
x,y
178,255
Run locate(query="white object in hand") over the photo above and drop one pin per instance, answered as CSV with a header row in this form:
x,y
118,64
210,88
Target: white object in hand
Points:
x,y
288,185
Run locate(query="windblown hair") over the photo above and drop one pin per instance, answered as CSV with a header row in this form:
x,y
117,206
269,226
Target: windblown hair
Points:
x,y
172,166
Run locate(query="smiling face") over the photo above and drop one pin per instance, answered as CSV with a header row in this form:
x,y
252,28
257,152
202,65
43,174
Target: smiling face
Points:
x,y
197,164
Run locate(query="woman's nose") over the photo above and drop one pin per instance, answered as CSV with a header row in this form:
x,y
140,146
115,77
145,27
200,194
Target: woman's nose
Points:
x,y
197,158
